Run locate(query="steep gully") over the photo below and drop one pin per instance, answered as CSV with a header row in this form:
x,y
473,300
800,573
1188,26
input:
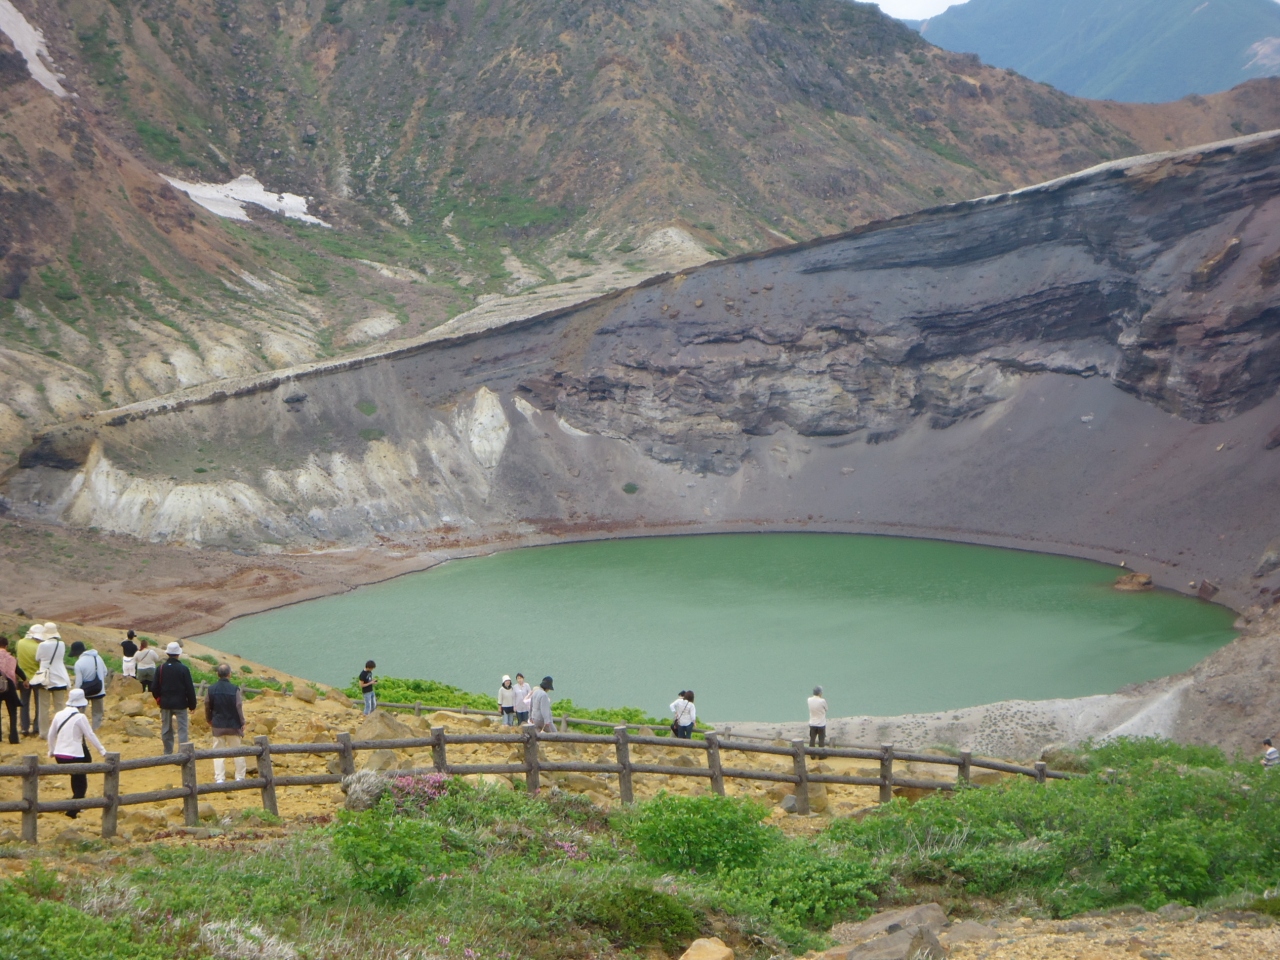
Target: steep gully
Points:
x,y
951,373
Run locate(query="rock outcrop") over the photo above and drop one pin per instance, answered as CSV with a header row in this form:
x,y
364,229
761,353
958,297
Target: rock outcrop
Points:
x,y
1087,366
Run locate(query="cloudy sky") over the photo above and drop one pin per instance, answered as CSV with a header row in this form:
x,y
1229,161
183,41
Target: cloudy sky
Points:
x,y
914,9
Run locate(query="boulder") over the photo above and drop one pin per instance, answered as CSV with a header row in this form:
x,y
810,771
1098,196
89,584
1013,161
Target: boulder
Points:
x,y
122,686
818,797
207,811
380,725
789,803
380,761
268,724
578,782
966,931
928,915
141,727
913,943
134,707
447,718
1134,582
8,836
72,837
304,693
708,948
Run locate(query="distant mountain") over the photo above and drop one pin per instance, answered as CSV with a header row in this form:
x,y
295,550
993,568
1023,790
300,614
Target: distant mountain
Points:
x,y
1145,51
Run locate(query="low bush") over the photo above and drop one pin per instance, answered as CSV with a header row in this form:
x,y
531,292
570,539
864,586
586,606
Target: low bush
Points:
x,y
634,916
390,853
43,929
701,833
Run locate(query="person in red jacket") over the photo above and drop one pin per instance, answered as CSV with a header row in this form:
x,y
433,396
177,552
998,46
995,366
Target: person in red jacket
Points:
x,y
175,694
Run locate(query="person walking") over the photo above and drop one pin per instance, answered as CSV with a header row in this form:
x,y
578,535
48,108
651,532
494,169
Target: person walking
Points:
x,y
28,664
51,671
1270,756
129,649
224,709
540,707
146,662
507,701
817,719
69,730
523,692
91,677
175,693
686,715
11,677
368,682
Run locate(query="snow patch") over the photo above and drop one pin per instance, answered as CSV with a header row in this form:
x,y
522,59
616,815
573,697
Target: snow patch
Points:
x,y
30,43
228,199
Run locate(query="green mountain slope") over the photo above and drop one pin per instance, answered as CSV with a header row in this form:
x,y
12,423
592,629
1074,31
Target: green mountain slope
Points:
x,y
1143,51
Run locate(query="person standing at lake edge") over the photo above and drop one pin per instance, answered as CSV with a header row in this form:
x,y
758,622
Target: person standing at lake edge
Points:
x,y
129,649
224,710
27,663
817,719
367,683
175,694
147,660
523,693
540,707
686,715
1270,756
507,701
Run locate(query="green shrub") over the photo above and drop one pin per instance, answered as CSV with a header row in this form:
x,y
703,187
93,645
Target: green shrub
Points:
x,y
701,833
633,916
388,853
33,929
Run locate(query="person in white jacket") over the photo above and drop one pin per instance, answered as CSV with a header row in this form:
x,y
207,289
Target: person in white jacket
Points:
x,y
69,729
524,693
817,719
686,715
507,702
51,696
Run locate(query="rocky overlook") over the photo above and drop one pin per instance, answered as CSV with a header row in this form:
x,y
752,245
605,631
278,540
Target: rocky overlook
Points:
x,y
1086,366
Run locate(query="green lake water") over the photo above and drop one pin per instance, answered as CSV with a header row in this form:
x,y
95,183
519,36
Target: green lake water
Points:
x,y
751,622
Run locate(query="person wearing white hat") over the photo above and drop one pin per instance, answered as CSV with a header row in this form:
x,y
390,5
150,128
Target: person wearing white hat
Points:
x,y
69,730
27,663
507,701
51,667
175,694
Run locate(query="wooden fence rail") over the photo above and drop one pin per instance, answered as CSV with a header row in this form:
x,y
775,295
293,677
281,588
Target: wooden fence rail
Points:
x,y
531,766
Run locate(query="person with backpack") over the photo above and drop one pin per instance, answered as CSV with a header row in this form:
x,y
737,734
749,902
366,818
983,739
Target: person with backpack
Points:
x,y
27,663
175,694
686,715
224,710
91,677
10,676
68,732
51,676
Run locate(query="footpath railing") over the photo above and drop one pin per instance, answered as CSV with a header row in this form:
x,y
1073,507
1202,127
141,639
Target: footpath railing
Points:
x,y
531,766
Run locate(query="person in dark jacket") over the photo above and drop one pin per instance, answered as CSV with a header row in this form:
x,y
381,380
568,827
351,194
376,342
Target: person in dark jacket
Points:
x,y
224,709
175,694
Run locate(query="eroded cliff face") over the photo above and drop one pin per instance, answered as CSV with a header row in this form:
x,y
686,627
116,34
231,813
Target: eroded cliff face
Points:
x,y
1000,370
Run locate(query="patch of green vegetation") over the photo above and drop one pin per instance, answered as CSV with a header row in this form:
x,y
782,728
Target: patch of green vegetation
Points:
x,y
369,434
630,488
33,926
367,407
58,284
161,144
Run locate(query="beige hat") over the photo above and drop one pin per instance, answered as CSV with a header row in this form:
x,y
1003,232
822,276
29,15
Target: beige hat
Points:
x,y
36,631
505,678
174,649
77,698
51,632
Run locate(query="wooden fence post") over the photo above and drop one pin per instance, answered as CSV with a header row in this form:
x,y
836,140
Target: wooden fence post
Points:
x,y
802,772
111,791
622,744
966,767
191,802
713,764
268,775
886,772
31,794
1041,769
564,724
417,708
439,758
346,756
531,777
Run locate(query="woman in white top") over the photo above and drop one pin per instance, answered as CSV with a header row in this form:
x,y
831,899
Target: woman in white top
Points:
x,y
507,702
68,731
686,715
524,696
51,696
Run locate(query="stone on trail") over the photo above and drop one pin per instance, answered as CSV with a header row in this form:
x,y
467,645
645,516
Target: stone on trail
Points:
x,y
708,948
928,915
789,803
966,931
133,707
913,943
207,811
304,693
380,725
381,761
8,836
141,727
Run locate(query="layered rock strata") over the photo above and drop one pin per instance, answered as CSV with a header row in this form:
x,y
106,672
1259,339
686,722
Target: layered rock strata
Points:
x,y
1086,366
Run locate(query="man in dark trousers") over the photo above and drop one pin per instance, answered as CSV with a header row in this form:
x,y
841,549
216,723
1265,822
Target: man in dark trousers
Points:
x,y
175,694
224,709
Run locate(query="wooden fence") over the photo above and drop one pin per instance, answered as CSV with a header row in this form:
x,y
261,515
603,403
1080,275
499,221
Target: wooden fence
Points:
x,y
531,766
